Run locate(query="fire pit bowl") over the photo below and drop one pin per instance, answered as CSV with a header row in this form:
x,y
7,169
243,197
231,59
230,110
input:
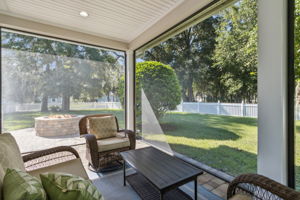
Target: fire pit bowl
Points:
x,y
57,125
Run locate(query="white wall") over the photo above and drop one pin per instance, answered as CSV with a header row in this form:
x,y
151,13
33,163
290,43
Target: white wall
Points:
x,y
272,89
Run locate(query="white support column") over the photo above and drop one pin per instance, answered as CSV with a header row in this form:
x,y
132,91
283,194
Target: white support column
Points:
x,y
130,90
272,89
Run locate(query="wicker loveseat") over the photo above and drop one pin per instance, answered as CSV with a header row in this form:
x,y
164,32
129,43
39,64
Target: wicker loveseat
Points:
x,y
254,186
102,152
59,159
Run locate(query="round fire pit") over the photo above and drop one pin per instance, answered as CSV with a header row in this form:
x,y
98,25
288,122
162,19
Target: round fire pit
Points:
x,y
57,125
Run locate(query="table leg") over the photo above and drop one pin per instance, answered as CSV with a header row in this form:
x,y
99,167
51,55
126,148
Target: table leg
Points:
x,y
196,188
124,173
161,196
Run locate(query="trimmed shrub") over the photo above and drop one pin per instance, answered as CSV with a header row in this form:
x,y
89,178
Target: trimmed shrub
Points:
x,y
160,85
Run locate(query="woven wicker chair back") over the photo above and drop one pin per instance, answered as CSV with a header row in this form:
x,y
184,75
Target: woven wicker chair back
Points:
x,y
83,122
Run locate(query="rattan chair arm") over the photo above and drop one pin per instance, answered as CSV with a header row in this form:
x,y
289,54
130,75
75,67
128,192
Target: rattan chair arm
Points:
x,y
91,142
131,136
49,151
127,132
92,153
262,182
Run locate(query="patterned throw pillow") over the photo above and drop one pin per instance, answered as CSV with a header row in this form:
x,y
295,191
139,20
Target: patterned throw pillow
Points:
x,y
19,185
102,127
61,186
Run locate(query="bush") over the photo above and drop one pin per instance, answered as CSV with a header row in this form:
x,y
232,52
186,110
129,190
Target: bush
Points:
x,y
54,109
160,85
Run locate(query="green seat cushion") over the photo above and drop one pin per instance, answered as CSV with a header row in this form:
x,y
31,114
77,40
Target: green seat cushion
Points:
x,y
19,185
60,186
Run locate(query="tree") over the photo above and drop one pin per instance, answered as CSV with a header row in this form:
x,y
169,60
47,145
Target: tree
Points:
x,y
160,85
297,50
297,39
51,68
215,59
189,53
235,56
27,78
18,85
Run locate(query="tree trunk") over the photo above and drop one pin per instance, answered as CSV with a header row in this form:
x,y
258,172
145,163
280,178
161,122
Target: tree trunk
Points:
x,y
107,97
297,93
44,106
65,103
190,92
183,95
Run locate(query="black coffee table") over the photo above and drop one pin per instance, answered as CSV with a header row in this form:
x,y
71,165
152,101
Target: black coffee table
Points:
x,y
158,174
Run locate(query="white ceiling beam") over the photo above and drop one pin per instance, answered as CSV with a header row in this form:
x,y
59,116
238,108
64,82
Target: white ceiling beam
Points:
x,y
181,12
54,31
3,5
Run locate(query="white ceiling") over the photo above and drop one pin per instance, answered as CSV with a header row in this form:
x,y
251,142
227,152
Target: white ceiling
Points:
x,y
121,20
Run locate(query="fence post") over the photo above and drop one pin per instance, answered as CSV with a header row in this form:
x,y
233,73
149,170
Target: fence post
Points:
x,y
181,106
219,108
242,109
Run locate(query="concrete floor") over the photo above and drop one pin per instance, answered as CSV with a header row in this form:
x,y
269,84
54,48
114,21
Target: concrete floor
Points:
x,y
209,182
29,142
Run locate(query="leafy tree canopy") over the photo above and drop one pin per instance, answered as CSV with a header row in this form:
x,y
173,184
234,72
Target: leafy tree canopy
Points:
x,y
38,68
217,58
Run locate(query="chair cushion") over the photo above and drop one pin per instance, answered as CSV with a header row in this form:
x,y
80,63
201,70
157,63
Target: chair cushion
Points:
x,y
112,143
19,185
10,156
71,167
241,197
102,127
61,186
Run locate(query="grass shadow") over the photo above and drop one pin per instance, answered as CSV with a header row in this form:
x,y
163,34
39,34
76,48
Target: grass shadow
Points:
x,y
201,132
215,119
230,160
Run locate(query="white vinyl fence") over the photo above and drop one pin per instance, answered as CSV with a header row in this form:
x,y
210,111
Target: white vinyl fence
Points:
x,y
32,107
230,109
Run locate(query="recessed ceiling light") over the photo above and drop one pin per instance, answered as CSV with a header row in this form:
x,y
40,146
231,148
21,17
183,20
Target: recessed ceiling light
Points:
x,y
83,14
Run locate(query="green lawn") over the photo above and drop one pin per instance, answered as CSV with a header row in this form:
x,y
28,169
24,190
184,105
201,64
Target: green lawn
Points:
x,y
226,143
223,142
20,120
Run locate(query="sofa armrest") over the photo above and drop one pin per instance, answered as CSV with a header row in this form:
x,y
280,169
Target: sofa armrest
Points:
x,y
261,187
131,136
48,157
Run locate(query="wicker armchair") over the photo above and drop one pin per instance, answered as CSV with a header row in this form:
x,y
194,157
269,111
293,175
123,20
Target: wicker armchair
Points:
x,y
101,160
260,187
63,159
48,157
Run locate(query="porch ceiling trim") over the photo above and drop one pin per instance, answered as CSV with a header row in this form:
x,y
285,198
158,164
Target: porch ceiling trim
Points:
x,y
7,21
207,10
175,16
